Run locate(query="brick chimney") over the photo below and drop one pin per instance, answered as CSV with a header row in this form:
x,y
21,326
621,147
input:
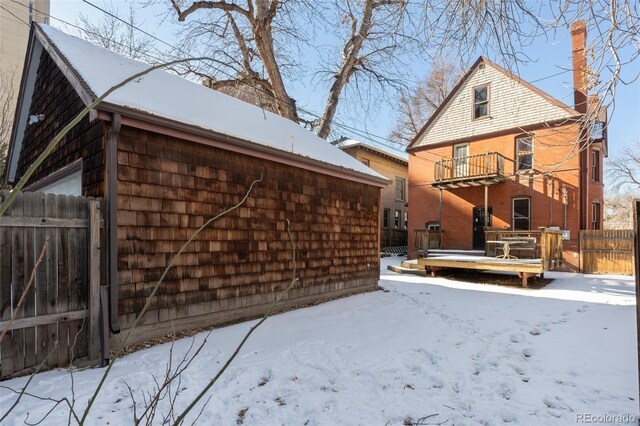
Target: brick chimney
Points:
x,y
579,49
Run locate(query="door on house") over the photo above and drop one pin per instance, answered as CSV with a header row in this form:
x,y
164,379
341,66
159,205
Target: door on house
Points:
x,y
478,227
461,160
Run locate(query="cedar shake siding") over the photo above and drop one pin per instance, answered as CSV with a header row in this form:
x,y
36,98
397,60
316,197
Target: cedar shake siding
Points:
x,y
58,101
168,187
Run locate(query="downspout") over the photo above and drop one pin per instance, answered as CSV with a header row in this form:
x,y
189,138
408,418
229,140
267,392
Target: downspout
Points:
x,y
564,201
112,218
440,219
551,199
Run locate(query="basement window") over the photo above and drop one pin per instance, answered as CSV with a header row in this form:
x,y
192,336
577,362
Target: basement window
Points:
x,y
481,101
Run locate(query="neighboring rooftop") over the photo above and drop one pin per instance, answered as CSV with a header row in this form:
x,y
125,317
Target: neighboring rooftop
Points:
x,y
396,154
166,95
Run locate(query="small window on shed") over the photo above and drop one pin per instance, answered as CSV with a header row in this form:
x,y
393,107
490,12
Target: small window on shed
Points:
x,y
481,101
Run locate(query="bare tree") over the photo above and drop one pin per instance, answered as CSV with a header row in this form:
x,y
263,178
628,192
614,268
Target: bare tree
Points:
x,y
618,213
7,108
118,35
416,106
256,34
624,169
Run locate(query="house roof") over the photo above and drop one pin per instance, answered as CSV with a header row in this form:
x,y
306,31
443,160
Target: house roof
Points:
x,y
566,110
387,151
92,70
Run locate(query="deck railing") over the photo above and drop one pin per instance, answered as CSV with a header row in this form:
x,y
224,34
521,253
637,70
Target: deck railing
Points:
x,y
494,249
487,165
549,244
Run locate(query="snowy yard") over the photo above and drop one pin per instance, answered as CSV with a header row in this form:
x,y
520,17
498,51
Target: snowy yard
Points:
x,y
465,353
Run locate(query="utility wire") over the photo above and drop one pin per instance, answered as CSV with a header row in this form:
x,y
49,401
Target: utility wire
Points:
x,y
376,139
15,16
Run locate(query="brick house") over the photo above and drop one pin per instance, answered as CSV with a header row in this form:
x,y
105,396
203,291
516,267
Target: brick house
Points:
x,y
392,164
501,153
167,154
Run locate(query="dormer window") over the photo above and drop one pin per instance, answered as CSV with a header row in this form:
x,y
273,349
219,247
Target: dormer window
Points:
x,y
481,101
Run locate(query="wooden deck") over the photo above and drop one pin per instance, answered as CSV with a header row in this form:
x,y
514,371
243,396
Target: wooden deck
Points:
x,y
526,268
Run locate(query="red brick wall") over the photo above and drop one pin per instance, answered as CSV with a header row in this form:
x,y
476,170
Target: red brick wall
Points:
x,y
54,97
167,187
553,153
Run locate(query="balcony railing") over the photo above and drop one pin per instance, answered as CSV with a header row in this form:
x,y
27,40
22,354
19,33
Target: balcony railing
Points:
x,y
473,170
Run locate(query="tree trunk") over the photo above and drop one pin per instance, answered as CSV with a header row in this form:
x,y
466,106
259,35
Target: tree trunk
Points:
x,y
349,61
261,23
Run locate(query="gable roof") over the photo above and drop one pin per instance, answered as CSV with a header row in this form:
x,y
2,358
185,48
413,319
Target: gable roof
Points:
x,y
560,109
386,151
159,95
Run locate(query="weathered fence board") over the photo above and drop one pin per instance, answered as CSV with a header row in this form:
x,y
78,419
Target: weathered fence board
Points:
x,y
51,328
607,251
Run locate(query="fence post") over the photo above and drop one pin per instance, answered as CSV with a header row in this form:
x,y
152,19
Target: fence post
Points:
x,y
580,253
94,279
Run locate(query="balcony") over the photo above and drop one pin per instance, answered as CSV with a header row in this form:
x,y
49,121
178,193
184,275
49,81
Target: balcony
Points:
x,y
473,170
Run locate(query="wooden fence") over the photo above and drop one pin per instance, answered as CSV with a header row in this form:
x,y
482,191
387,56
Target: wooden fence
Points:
x,y
393,238
607,251
427,239
58,318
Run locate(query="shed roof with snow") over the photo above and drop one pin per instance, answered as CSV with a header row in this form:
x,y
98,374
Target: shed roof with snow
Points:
x,y
169,100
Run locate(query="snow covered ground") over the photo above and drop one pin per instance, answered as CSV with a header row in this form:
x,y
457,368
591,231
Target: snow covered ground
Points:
x,y
465,353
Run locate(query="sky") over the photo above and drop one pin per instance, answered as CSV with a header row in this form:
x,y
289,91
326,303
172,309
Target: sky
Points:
x,y
549,56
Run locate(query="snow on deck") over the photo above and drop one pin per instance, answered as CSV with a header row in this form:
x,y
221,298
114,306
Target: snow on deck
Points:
x,y
166,95
469,354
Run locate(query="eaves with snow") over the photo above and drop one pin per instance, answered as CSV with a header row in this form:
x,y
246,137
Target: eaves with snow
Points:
x,y
161,97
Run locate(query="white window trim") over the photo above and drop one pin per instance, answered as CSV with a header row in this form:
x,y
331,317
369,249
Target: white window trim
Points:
x,y
70,170
473,101
533,154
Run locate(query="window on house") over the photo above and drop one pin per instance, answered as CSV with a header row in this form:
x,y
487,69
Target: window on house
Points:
x,y
406,219
365,161
481,101
595,216
524,153
386,217
595,165
597,130
400,189
396,221
521,214
433,226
